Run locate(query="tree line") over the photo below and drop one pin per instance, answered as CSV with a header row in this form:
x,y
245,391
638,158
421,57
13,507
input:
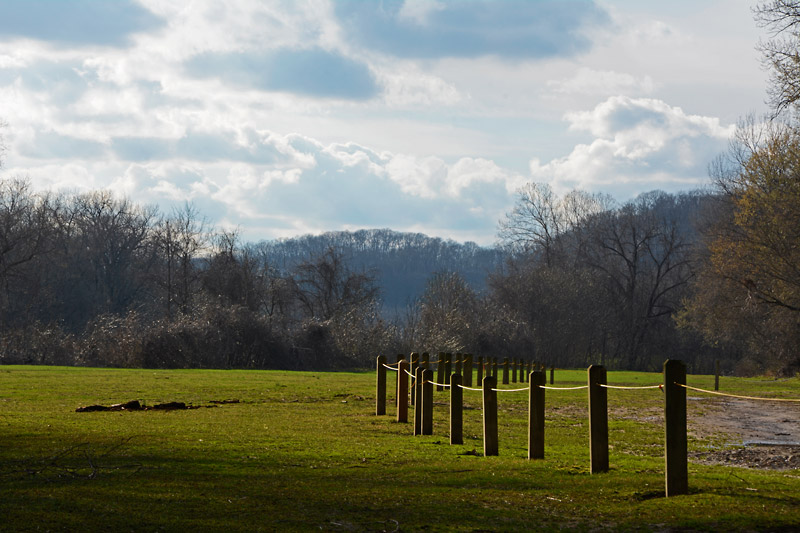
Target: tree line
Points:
x,y
92,279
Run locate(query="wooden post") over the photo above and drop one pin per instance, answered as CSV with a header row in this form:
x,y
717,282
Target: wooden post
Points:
x,y
418,407
413,369
536,416
479,377
598,420
676,445
380,388
448,367
505,371
514,366
459,364
402,391
552,372
467,375
440,370
490,446
427,402
426,360
400,357
456,410
716,374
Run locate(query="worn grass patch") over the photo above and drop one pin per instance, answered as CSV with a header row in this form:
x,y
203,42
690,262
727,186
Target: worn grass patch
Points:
x,y
303,451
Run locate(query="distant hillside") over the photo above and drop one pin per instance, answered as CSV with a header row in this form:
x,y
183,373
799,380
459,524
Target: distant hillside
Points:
x,y
402,262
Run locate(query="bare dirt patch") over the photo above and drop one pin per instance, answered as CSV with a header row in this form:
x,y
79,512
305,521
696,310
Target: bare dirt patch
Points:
x,y
752,434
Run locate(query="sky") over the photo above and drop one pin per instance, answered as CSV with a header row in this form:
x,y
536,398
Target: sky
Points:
x,y
283,118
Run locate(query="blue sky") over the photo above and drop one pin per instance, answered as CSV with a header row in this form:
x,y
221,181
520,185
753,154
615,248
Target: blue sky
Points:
x,y
292,117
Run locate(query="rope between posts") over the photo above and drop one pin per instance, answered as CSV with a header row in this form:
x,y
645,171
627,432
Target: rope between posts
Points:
x,y
471,388
511,390
389,367
437,384
631,388
564,388
738,396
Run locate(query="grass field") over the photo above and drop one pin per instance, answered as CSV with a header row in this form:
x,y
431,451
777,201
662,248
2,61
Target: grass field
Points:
x,y
304,451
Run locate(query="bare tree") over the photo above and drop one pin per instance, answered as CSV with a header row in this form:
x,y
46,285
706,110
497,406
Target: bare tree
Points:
x,y
111,249
26,232
643,260
325,286
181,239
540,219
781,53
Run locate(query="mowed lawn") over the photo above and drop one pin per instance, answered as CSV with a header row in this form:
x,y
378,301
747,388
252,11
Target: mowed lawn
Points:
x,y
302,451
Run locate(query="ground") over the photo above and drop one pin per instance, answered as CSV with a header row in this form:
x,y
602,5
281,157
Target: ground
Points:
x,y
753,434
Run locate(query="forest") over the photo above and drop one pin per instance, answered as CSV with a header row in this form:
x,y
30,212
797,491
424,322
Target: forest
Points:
x,y
575,279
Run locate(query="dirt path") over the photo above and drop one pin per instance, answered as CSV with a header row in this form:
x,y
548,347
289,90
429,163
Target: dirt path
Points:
x,y
756,434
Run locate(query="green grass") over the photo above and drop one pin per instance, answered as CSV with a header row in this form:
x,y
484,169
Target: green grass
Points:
x,y
304,451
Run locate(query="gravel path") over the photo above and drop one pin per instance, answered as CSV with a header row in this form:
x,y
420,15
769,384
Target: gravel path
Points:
x,y
756,434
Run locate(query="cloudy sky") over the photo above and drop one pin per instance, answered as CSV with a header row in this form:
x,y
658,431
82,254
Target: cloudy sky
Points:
x,y
293,117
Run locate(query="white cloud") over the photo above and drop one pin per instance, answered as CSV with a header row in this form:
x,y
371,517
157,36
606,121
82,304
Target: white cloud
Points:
x,y
640,144
467,172
417,176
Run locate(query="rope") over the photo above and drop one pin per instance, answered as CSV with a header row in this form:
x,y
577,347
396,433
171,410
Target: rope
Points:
x,y
409,373
738,396
564,388
511,390
631,388
471,388
437,384
389,367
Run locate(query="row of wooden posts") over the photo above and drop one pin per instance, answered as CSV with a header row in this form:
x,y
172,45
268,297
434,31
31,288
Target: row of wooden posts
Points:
x,y
421,386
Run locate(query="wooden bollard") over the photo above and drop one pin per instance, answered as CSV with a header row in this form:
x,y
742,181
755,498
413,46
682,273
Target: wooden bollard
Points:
x,y
467,374
402,391
552,374
440,370
418,407
427,402
459,364
456,410
505,371
400,357
413,369
479,370
380,387
426,360
598,420
448,367
716,374
676,445
514,366
490,446
536,416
